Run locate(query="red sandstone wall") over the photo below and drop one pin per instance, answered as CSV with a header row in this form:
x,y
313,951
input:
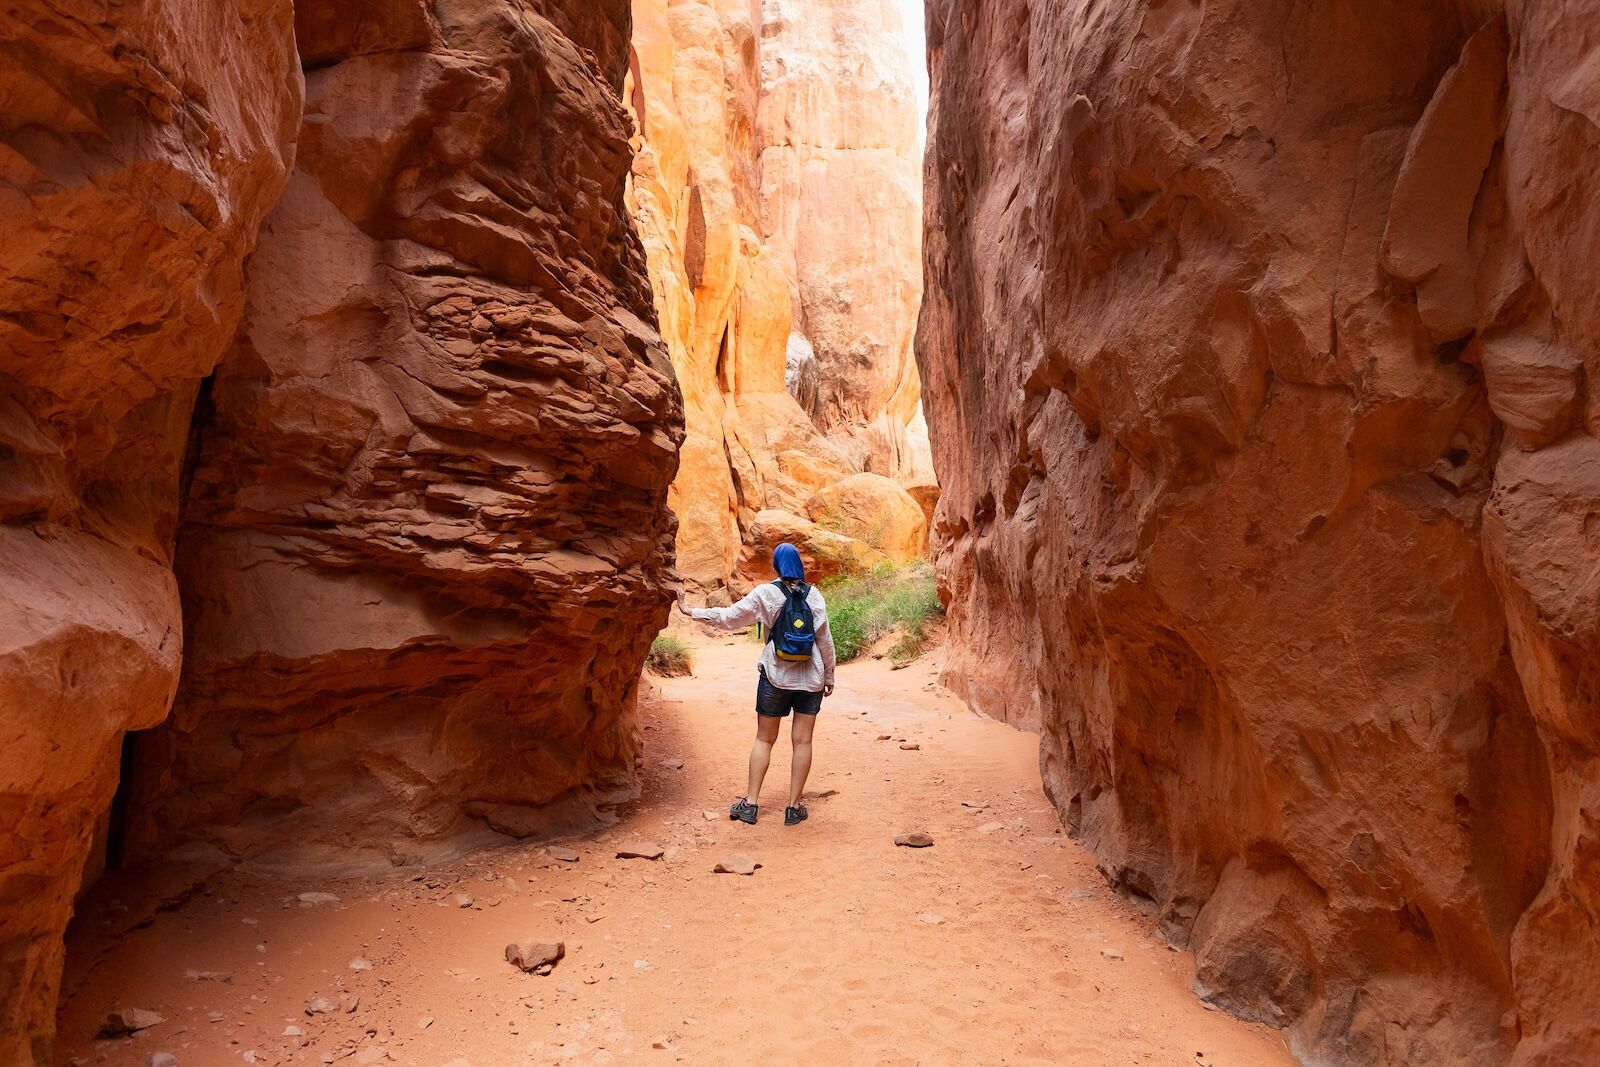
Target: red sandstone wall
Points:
x,y
137,157
421,535
1258,356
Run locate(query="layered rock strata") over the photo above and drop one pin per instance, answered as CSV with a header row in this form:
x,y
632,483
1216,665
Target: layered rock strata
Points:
x,y
138,153
1258,354
424,547
425,537
775,190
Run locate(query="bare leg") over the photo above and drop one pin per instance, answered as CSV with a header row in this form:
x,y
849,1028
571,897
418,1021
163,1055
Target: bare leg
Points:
x,y
800,767
761,753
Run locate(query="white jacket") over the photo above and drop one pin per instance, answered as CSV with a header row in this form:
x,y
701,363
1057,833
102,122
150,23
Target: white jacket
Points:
x,y
762,605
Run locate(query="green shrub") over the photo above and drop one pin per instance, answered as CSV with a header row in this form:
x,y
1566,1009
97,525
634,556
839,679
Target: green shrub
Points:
x,y
863,609
669,657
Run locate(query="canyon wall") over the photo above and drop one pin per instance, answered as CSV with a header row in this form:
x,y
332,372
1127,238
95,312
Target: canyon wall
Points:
x,y
1259,352
424,551
775,188
410,540
137,158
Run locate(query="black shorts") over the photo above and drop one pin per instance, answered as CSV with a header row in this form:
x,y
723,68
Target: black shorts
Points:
x,y
776,703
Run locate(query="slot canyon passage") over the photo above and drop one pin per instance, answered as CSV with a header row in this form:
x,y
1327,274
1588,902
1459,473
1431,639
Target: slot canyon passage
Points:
x,y
374,374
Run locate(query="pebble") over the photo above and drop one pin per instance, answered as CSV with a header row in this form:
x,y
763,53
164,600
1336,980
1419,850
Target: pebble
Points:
x,y
673,764
711,816
309,899
736,864
640,850
883,737
376,1054
320,1006
463,900
910,746
292,1031
932,918
129,1021
161,1059
562,854
360,964
1111,953
535,957
915,839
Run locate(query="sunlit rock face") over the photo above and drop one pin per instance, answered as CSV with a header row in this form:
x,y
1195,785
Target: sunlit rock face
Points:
x,y
139,149
776,190
425,544
1258,352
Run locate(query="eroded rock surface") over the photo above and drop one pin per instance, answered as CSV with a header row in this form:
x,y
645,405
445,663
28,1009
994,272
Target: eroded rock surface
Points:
x,y
775,190
425,545
1258,353
138,152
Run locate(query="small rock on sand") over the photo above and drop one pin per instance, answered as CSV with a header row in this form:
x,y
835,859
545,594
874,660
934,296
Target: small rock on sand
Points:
x,y
535,957
915,839
673,764
883,737
976,805
910,746
822,794
562,853
358,963
463,900
161,1059
640,850
318,898
737,864
991,827
932,918
127,1021
320,1006
375,1054
1111,953
711,816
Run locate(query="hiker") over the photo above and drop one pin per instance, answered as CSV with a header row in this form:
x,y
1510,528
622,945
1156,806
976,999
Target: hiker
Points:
x,y
794,674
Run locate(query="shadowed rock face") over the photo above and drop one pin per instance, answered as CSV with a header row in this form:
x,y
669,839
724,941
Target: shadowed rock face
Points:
x,y
137,157
424,546
423,526
1258,353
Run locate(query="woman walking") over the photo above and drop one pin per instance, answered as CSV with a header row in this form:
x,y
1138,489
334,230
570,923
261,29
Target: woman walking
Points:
x,y
794,673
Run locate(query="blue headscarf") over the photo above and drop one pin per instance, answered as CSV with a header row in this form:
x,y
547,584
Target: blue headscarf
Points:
x,y
786,561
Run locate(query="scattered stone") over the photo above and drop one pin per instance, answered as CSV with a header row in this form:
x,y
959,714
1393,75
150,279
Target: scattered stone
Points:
x,y
976,805
737,864
209,976
251,1056
349,1002
424,1022
711,816
463,900
357,963
161,1059
563,854
673,764
310,899
821,794
640,850
915,839
214,1016
292,1031
535,957
1111,953
883,737
991,827
910,746
375,1054
593,917
932,918
126,1021
320,1006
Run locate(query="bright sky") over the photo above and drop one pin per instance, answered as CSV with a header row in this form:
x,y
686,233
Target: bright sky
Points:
x,y
917,44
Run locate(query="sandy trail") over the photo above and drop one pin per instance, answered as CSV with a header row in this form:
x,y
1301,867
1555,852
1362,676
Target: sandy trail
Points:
x,y
998,945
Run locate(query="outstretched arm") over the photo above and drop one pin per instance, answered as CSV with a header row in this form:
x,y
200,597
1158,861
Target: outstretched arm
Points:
x,y
737,617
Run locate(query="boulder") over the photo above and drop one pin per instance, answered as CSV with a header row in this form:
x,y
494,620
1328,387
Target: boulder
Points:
x,y
825,553
873,509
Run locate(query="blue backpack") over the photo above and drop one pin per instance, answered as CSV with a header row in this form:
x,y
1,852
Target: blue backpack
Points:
x,y
794,635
